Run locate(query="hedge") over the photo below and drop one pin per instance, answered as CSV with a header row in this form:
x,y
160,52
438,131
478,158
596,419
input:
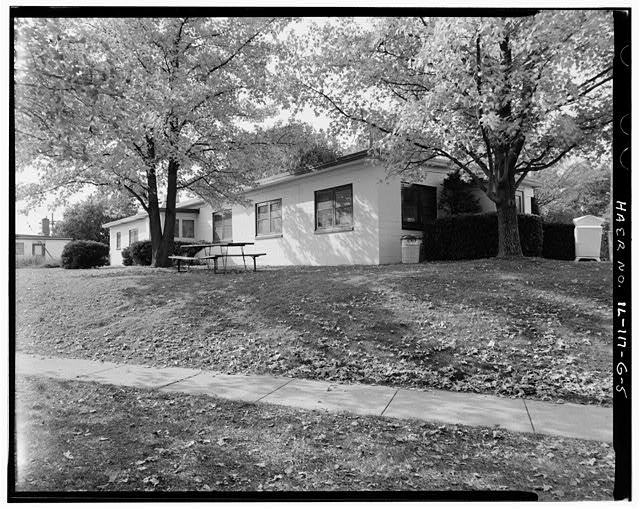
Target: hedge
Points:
x,y
471,236
84,254
559,241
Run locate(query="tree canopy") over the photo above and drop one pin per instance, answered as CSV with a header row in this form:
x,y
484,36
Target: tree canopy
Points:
x,y
84,220
499,98
142,105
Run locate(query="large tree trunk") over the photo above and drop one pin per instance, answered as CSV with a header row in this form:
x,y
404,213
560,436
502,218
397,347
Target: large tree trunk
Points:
x,y
508,233
162,253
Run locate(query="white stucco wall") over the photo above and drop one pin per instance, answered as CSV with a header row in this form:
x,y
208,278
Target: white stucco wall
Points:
x,y
299,243
115,254
53,247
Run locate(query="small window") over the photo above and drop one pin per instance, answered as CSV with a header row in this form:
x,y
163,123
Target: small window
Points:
x,y
334,208
188,228
269,218
419,204
118,240
176,228
222,231
520,202
20,248
37,249
133,236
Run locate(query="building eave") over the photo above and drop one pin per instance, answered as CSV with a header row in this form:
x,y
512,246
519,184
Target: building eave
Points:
x,y
40,237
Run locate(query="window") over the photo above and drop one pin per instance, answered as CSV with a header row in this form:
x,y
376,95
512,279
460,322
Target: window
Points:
x,y
176,228
269,218
520,202
188,228
222,226
133,236
118,240
419,204
20,248
334,208
37,249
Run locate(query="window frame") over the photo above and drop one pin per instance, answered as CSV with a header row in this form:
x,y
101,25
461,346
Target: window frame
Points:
x,y
40,245
21,244
193,229
272,233
213,225
118,241
419,225
132,230
333,227
519,202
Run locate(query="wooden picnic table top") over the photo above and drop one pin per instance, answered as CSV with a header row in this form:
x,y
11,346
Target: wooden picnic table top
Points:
x,y
220,244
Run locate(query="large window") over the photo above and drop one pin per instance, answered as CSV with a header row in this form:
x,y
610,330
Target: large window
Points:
x,y
133,236
334,209
20,248
118,240
419,204
269,218
222,231
188,228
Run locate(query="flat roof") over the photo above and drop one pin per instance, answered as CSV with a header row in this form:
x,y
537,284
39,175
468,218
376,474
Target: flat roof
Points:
x,y
40,237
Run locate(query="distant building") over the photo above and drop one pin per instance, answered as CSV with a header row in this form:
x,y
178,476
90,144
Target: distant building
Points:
x,y
40,248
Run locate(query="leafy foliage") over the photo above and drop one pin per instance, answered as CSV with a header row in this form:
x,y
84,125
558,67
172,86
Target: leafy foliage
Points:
x,y
141,252
127,259
142,105
559,241
575,188
472,236
84,220
84,254
456,196
499,98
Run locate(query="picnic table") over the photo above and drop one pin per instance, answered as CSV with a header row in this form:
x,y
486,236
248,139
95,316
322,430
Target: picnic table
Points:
x,y
224,254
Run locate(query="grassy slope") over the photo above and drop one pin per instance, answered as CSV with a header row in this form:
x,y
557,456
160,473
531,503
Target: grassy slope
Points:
x,y
539,328
82,436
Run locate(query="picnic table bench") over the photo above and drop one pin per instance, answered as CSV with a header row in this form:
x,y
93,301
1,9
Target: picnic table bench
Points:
x,y
224,254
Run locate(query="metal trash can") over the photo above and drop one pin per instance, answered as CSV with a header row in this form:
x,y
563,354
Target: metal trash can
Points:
x,y
411,246
588,237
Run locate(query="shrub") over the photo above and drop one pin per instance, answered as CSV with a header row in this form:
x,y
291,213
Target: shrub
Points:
x,y
558,241
126,256
141,252
84,254
457,197
471,236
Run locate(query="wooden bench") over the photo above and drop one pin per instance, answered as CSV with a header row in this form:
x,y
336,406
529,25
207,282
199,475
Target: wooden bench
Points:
x,y
180,259
243,255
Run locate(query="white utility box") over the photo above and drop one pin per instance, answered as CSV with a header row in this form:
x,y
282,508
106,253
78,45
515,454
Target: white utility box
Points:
x,y
411,249
588,236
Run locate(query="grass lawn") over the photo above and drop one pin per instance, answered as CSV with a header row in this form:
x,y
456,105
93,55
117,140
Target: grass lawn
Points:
x,y
536,328
82,436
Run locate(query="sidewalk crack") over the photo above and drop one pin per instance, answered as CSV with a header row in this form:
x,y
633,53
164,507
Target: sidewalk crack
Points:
x,y
385,408
176,381
274,390
529,415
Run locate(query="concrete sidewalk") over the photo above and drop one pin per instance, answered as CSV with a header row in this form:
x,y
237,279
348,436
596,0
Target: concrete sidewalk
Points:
x,y
568,420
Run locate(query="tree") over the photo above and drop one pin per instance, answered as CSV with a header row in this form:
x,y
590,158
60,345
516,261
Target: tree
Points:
x,y
147,106
576,187
84,220
456,196
499,98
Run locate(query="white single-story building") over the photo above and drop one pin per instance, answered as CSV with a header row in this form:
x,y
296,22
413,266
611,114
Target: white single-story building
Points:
x,y
345,212
40,248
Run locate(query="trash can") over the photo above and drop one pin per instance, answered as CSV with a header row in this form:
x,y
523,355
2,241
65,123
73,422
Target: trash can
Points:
x,y
411,249
588,237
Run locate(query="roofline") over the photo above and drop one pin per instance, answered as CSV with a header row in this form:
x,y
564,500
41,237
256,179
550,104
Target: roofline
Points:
x,y
35,236
143,215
